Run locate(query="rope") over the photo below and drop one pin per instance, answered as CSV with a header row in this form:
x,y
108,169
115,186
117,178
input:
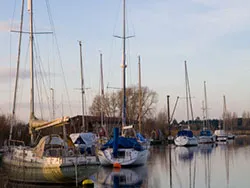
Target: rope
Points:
x,y
42,77
58,51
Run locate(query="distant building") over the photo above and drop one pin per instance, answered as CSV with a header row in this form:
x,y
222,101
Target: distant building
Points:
x,y
94,122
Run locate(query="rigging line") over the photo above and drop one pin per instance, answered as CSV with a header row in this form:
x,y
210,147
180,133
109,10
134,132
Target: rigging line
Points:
x,y
38,93
58,51
22,83
37,74
113,43
42,70
190,100
41,74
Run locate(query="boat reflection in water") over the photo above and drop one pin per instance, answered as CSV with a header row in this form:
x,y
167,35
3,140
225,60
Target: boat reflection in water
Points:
x,y
121,177
206,148
186,153
61,176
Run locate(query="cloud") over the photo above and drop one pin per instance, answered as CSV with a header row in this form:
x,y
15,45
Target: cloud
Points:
x,y
9,73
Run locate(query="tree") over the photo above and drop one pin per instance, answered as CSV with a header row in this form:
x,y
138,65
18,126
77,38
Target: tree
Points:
x,y
246,120
112,103
109,105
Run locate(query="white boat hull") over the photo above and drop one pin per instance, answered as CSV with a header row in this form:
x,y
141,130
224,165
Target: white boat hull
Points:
x,y
185,141
131,157
221,138
21,165
206,139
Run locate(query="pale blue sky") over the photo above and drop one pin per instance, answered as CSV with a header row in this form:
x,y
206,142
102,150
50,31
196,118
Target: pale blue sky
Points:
x,y
213,36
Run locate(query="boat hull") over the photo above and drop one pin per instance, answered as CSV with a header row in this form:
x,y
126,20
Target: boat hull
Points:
x,y
50,170
221,138
185,141
206,139
130,157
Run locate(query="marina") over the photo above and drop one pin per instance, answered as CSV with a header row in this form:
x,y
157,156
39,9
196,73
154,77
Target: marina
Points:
x,y
171,166
122,128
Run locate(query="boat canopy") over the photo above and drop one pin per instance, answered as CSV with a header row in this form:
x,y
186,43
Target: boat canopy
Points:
x,y
51,141
219,133
140,137
87,139
187,133
205,133
123,142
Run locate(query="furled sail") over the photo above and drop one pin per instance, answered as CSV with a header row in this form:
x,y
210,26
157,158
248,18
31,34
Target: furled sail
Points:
x,y
41,124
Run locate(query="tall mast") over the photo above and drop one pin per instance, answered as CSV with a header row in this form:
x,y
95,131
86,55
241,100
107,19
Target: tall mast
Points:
x,y
53,103
17,71
186,82
124,65
224,112
203,114
32,115
168,108
140,95
102,91
206,108
82,87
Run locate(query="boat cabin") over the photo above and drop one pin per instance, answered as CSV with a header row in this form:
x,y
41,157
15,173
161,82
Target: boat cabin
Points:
x,y
206,133
185,132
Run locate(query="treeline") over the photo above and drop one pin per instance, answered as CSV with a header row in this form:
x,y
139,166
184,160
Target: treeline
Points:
x,y
20,130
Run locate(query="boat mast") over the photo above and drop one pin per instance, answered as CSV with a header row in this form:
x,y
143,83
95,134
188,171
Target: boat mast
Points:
x,y
224,112
140,95
53,102
187,102
124,65
32,115
17,72
82,88
206,108
169,118
203,114
102,91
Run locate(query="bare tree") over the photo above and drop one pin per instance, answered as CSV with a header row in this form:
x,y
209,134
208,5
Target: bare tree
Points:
x,y
112,103
108,104
246,120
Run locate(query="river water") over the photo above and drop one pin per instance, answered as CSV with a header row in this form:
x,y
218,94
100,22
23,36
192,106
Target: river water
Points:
x,y
208,165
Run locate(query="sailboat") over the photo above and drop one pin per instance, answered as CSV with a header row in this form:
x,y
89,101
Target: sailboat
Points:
x,y
206,135
54,159
130,148
185,137
230,135
85,141
220,134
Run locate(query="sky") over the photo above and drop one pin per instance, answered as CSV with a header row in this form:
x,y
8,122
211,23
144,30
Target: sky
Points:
x,y
212,36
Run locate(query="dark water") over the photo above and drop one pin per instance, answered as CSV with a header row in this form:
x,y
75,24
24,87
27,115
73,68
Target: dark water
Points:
x,y
208,166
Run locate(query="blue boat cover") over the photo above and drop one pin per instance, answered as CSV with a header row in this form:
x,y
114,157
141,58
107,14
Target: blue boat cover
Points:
x,y
123,142
140,137
187,133
205,133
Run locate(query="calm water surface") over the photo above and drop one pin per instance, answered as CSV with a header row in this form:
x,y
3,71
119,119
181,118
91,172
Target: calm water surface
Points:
x,y
208,165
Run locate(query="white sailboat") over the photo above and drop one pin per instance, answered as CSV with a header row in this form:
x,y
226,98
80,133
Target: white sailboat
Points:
x,y
185,137
130,148
206,135
53,159
220,134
